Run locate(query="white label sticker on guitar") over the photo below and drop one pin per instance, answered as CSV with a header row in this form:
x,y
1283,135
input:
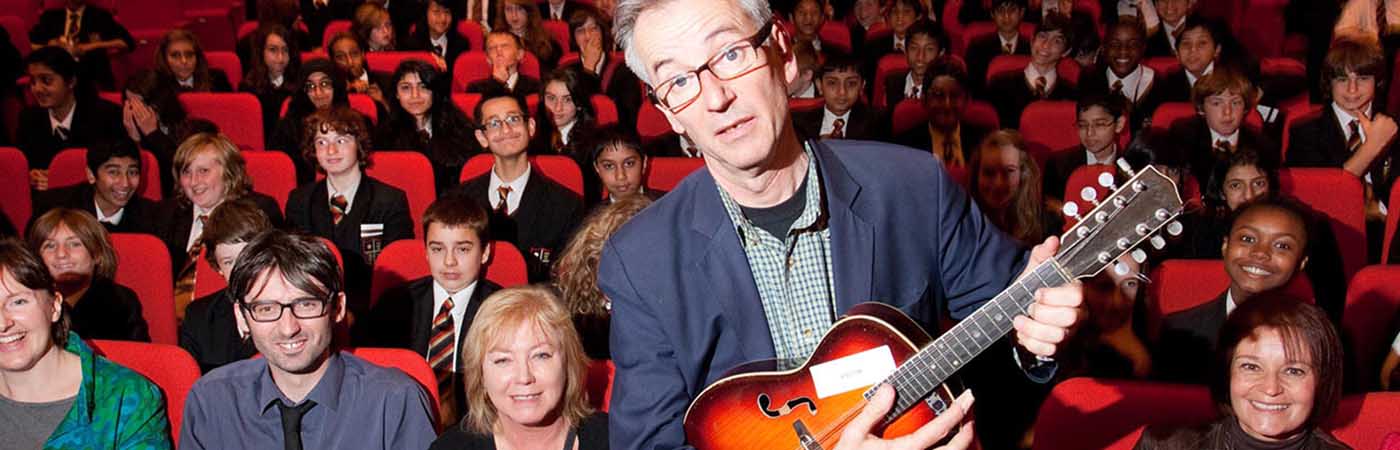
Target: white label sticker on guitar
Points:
x,y
852,372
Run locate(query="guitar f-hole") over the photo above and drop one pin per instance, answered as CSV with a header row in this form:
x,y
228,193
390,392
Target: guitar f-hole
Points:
x,y
764,402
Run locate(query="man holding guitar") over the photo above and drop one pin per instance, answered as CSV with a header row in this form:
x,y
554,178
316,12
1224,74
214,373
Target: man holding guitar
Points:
x,y
757,256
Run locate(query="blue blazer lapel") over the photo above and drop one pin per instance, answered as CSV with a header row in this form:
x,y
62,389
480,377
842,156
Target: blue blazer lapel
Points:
x,y
852,239
725,273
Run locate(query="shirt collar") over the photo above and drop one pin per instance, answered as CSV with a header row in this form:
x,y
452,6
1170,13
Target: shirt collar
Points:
x,y
1192,78
188,82
1050,76
114,219
326,394
1089,158
1344,119
1233,138
1229,302
67,122
898,42
813,206
910,87
514,76
277,80
1015,39
459,300
517,188
441,40
349,192
564,131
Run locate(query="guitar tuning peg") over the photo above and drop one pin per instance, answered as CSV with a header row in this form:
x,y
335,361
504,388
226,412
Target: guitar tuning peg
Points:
x,y
1120,269
1157,242
1174,228
1106,180
1125,168
1139,256
1071,209
1089,195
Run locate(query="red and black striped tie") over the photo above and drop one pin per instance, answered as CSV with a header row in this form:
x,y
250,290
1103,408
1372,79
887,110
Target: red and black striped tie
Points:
x,y
440,358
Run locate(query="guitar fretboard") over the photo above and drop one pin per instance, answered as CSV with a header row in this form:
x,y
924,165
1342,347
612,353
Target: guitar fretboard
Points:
x,y
934,364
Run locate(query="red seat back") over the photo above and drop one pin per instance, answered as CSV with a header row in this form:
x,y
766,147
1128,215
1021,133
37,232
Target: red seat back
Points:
x,y
1162,65
228,62
1392,441
467,103
333,27
406,260
15,26
475,34
1373,302
410,172
558,31
836,35
207,279
238,115
168,366
1294,115
558,168
1338,195
888,64
408,361
143,264
361,103
651,123
69,167
1048,127
1170,112
472,66
909,113
273,174
14,187
975,30
805,104
1365,420
388,62
1090,413
604,109
667,172
1181,284
1390,224
600,383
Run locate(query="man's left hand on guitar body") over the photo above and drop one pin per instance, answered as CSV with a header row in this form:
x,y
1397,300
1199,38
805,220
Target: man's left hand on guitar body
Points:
x,y
1056,313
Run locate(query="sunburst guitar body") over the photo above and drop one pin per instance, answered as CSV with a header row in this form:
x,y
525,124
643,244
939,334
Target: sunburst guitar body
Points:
x,y
808,407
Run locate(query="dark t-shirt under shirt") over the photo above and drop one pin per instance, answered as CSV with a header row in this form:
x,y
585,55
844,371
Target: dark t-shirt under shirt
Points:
x,y
778,219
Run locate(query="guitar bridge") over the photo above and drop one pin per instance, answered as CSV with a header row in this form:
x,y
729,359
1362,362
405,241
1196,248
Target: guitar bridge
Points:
x,y
804,438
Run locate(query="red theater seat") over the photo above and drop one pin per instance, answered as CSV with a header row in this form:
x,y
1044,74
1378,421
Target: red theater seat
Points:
x,y
1340,196
467,103
388,62
1170,112
1390,224
1373,302
406,260
558,31
168,366
228,62
238,115
667,172
1181,284
472,66
333,27
1008,64
835,34
1365,420
889,64
1090,413
206,277
14,187
600,383
604,109
143,264
273,174
1048,127
69,167
408,361
410,172
475,34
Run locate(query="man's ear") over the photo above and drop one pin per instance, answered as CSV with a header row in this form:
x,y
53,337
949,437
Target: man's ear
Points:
x,y
783,44
530,126
481,139
92,179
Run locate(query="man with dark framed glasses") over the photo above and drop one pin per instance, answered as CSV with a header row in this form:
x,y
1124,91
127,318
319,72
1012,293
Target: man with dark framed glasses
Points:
x,y
754,257
301,393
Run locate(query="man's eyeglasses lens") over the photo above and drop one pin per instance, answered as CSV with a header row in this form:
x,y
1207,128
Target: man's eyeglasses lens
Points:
x,y
272,311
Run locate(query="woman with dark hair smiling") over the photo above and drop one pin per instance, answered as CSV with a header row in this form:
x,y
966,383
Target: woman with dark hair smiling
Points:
x,y
181,56
274,63
423,118
321,86
1278,377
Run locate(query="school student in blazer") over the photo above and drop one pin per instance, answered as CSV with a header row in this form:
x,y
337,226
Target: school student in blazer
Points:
x,y
1222,100
437,34
1123,72
559,10
180,56
926,42
901,16
457,246
82,262
504,52
840,85
1351,133
1099,120
66,113
423,118
1007,15
356,212
112,193
273,73
946,135
95,33
348,52
1040,79
528,209
212,332
1162,39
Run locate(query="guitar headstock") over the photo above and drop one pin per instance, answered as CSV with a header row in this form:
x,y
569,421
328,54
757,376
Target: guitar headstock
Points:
x,y
1131,214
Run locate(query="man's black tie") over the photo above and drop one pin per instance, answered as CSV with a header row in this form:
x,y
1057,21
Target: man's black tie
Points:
x,y
61,133
291,423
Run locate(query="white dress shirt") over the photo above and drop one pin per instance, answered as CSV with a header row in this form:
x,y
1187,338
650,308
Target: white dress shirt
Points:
x,y
1191,79
828,118
66,123
114,219
911,89
517,189
1031,73
459,309
1229,302
1090,159
564,132
349,193
1135,84
197,226
1233,138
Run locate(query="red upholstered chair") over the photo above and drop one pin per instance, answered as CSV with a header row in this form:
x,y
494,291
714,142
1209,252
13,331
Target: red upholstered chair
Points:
x,y
228,62
475,34
600,381
409,171
1090,413
604,109
1390,224
909,113
69,167
467,103
143,264
273,174
388,62
168,366
652,124
667,172
238,115
1373,300
558,31
805,104
1162,65
835,34
1294,115
408,361
1340,196
1392,441
471,66
888,64
1365,420
363,104
14,187
406,260
560,169
1181,284
315,53
333,27
1048,127
982,114
16,27
246,29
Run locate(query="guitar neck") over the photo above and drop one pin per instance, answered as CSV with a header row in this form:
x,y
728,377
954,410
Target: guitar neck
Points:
x,y
934,364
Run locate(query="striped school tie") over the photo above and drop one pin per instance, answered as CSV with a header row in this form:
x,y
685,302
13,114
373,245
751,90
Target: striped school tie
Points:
x,y
440,358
